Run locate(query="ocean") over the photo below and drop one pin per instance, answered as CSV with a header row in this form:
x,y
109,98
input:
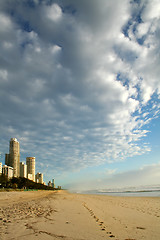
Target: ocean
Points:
x,y
142,191
133,194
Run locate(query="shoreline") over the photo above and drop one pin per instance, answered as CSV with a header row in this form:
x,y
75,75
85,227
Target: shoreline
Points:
x,y
127,194
56,215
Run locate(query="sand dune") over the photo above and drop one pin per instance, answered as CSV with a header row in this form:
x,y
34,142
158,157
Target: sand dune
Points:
x,y
60,215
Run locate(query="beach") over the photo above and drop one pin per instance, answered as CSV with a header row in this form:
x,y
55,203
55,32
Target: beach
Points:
x,y
62,215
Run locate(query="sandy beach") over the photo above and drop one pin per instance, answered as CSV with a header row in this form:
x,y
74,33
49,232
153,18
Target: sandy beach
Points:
x,y
61,215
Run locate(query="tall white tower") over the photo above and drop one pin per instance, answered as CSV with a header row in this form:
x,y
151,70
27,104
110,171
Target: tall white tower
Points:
x,y
30,162
13,158
39,178
23,170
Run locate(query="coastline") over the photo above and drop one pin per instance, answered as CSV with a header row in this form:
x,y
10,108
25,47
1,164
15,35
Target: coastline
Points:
x,y
151,193
57,215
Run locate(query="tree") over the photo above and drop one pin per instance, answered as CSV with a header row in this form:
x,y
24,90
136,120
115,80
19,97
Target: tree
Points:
x,y
3,180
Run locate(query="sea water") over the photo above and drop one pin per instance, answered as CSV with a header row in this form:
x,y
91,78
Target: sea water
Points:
x,y
142,191
133,194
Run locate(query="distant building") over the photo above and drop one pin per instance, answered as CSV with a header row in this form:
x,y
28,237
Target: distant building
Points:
x,y
7,161
30,176
14,168
49,184
39,178
0,168
7,171
13,158
53,184
23,170
30,161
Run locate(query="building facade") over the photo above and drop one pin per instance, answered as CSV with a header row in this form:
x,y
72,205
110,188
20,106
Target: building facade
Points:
x,y
30,176
49,184
7,161
23,170
7,171
39,178
53,183
30,162
13,158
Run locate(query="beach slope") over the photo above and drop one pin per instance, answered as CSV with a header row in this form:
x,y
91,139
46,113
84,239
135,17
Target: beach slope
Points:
x,y
61,215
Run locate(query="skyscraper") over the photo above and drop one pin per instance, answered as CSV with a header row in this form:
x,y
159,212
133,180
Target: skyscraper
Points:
x,y
7,161
0,168
23,170
7,171
39,178
30,162
13,158
53,184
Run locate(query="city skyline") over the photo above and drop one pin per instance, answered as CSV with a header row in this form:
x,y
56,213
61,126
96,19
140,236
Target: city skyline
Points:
x,y
13,167
80,89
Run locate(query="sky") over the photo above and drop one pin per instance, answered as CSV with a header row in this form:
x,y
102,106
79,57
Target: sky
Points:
x,y
80,89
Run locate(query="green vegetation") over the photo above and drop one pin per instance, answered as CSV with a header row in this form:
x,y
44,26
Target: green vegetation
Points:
x,y
21,183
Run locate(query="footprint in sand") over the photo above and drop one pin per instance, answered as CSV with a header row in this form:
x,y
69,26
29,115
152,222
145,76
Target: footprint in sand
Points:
x,y
101,223
141,228
130,239
103,229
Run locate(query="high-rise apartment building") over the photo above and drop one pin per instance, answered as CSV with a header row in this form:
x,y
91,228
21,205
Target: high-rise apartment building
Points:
x,y
23,170
30,161
49,184
7,161
30,176
13,158
7,171
39,178
53,184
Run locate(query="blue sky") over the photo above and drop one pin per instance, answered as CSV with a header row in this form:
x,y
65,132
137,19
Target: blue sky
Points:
x,y
80,89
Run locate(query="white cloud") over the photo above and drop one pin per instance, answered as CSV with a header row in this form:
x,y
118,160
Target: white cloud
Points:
x,y
3,74
110,171
6,23
140,178
142,29
151,11
55,49
54,12
7,45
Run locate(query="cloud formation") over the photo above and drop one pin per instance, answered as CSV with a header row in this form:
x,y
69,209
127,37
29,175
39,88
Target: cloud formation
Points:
x,y
77,79
143,178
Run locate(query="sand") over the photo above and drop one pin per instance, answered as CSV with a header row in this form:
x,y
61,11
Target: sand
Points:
x,y
61,215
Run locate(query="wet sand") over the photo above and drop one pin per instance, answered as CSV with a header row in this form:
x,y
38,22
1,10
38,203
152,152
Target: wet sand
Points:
x,y
61,215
